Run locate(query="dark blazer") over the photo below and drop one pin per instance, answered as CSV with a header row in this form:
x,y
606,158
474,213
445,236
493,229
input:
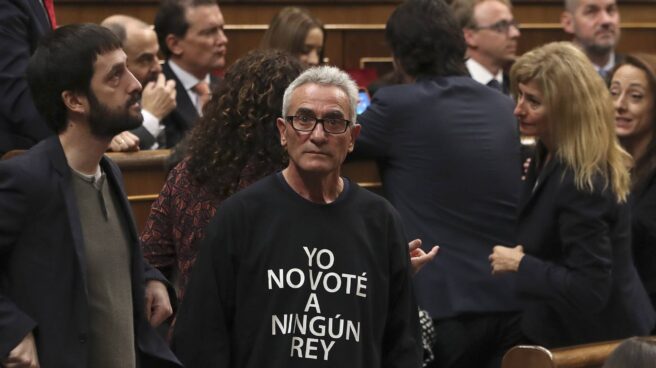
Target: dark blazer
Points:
x,y
22,24
180,120
643,225
42,268
449,148
146,140
577,280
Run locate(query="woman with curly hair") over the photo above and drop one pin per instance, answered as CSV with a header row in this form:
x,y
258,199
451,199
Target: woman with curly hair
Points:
x,y
296,31
234,144
575,270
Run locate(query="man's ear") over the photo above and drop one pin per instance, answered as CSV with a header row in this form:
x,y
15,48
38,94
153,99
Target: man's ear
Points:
x,y
173,44
470,37
567,21
282,128
75,102
355,132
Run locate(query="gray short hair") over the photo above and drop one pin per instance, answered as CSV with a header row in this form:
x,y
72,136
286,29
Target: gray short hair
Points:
x,y
571,5
325,76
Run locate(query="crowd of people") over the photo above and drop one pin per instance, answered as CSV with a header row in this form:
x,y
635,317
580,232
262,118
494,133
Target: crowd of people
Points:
x,y
258,252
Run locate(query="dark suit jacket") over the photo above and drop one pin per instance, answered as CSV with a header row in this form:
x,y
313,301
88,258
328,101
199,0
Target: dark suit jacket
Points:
x,y
42,268
643,225
577,279
180,120
146,140
451,167
22,24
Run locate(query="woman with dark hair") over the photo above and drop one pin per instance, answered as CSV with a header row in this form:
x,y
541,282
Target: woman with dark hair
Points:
x,y
296,31
575,272
633,88
234,144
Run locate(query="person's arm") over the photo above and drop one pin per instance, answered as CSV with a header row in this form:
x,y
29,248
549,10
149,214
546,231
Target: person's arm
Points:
x,y
202,331
582,276
124,142
644,237
377,128
15,324
17,111
156,239
418,257
24,355
402,345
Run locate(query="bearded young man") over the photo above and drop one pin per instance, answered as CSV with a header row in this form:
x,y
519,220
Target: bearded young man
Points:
x,y
75,290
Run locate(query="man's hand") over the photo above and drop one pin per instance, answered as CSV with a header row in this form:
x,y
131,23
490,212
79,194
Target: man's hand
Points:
x,y
159,97
419,258
505,259
23,355
124,142
158,304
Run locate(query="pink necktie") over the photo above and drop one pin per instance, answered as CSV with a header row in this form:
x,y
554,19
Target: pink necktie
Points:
x,y
202,89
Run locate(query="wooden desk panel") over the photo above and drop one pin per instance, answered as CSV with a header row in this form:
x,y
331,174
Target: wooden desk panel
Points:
x,y
145,172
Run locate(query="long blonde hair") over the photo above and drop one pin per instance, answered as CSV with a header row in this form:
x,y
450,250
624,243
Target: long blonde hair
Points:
x,y
580,113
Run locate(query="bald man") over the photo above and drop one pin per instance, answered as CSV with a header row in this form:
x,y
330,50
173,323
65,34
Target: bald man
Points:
x,y
595,26
139,42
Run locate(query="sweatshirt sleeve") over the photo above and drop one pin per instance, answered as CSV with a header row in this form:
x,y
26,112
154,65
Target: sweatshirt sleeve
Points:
x,y
402,346
202,331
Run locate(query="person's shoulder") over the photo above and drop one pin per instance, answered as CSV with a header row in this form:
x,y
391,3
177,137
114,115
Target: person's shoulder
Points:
x,y
369,201
257,194
35,168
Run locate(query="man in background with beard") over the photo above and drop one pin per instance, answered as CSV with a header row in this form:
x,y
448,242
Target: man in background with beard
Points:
x,y
595,25
75,290
139,42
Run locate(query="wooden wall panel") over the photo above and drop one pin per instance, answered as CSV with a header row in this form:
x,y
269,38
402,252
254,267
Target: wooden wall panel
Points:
x,y
356,30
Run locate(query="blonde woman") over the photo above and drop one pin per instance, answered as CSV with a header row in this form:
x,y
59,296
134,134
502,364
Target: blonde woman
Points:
x,y
575,268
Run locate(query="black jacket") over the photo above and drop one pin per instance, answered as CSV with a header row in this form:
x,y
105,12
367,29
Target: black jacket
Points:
x,y
577,280
42,268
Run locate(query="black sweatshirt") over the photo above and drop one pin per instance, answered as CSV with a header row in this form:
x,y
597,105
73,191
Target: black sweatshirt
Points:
x,y
284,282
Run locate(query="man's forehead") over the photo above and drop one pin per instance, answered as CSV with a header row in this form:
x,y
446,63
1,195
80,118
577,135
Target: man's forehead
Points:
x,y
491,8
195,15
141,41
107,60
326,97
600,3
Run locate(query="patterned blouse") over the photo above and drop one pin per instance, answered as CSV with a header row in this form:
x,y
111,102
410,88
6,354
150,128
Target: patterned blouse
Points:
x,y
178,218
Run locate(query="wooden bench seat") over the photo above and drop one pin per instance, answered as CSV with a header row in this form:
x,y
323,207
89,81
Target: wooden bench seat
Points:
x,y
580,356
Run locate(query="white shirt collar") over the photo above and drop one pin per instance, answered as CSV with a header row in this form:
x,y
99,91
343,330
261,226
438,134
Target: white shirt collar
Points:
x,y
187,79
480,74
609,65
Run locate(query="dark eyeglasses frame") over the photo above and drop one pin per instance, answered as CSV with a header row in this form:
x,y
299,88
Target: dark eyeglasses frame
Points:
x,y
290,120
502,26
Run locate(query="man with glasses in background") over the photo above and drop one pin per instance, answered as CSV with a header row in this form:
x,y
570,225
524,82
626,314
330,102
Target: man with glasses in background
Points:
x,y
304,268
491,34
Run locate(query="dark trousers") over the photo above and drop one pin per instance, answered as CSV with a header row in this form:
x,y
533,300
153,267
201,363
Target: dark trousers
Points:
x,y
475,340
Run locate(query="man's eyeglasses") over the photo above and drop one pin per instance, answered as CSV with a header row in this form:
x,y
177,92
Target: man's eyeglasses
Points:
x,y
304,123
502,26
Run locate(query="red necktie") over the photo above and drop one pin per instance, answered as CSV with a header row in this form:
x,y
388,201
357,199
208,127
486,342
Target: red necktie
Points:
x,y
50,9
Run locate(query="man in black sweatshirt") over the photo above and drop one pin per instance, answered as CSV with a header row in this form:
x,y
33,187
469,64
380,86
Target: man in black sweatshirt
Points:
x,y
304,268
